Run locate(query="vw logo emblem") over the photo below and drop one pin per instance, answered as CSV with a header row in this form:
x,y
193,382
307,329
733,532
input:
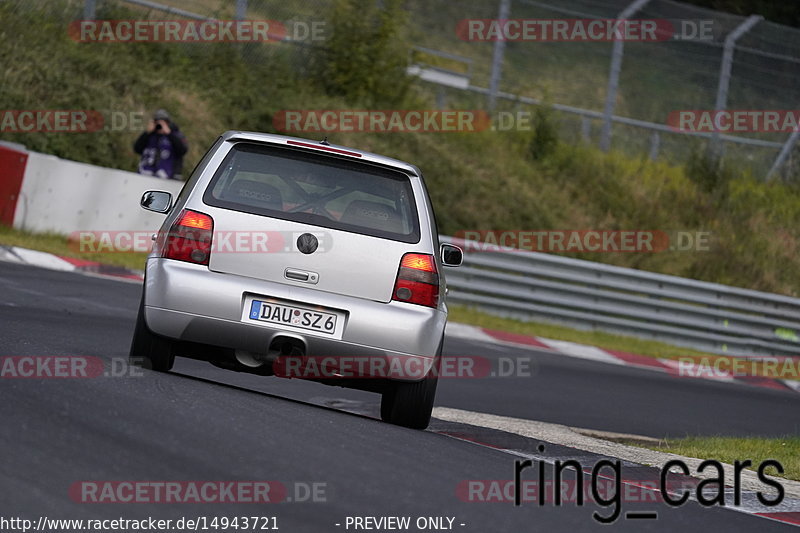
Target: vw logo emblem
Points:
x,y
307,243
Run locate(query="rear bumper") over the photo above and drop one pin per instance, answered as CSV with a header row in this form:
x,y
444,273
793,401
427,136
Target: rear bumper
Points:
x,y
190,303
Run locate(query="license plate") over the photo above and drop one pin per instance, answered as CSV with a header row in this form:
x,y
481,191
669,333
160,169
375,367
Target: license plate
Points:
x,y
288,315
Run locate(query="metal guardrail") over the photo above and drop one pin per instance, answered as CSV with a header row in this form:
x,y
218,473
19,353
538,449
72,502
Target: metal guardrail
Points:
x,y
710,317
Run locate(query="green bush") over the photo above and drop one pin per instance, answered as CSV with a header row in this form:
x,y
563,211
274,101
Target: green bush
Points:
x,y
709,171
545,134
364,59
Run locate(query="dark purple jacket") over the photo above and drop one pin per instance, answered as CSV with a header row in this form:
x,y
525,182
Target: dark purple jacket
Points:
x,y
162,155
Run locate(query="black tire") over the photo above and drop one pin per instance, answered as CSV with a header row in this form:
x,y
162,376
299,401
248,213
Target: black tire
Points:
x,y
387,403
149,350
410,404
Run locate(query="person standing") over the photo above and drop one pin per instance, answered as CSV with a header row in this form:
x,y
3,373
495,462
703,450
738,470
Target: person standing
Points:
x,y
161,147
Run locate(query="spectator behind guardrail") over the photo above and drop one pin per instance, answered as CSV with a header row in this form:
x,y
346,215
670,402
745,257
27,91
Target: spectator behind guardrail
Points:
x,y
162,147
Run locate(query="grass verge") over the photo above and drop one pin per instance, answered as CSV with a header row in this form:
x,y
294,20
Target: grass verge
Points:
x,y
59,245
785,450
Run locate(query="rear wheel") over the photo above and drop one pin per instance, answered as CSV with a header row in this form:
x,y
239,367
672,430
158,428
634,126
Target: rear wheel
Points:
x,y
149,350
410,404
387,403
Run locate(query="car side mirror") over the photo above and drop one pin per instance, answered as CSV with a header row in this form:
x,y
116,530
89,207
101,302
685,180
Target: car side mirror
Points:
x,y
158,201
451,255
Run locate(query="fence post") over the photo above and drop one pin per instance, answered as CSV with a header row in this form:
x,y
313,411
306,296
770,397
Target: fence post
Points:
x,y
89,8
441,101
613,76
241,9
783,155
655,145
586,129
725,74
497,56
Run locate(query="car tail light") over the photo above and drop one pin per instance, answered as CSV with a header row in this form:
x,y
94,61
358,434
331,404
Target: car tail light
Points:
x,y
417,280
189,238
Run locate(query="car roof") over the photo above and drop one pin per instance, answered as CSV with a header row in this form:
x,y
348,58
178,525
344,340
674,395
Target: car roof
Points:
x,y
311,145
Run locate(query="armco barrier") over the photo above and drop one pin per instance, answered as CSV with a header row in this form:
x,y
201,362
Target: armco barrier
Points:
x,y
705,316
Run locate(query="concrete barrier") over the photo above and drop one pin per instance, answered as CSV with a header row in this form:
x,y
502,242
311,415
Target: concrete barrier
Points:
x,y
61,196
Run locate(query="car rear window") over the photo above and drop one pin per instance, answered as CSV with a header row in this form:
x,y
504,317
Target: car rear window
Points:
x,y
317,190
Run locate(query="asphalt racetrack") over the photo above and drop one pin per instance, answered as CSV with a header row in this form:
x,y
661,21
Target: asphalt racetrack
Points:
x,y
327,456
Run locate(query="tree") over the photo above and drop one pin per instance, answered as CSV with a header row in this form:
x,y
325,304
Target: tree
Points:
x,y
365,56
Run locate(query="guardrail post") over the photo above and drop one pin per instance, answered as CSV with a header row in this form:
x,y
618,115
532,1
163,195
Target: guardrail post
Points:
x,y
613,76
783,155
497,56
725,75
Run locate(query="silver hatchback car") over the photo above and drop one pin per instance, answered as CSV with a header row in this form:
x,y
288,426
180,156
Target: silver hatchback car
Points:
x,y
283,256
